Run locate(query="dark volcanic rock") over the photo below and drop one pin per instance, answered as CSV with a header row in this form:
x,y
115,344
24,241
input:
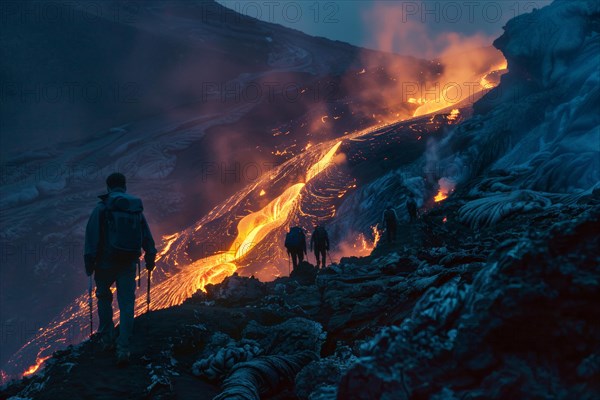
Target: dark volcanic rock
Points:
x,y
304,273
320,378
262,376
292,336
235,290
492,339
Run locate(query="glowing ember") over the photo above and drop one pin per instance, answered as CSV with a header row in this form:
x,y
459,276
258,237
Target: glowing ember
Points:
x,y
445,220
262,192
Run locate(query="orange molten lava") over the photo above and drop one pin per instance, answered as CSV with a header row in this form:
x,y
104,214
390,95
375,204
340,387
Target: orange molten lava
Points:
x,y
357,246
39,361
182,284
453,115
376,235
440,196
252,229
455,86
446,187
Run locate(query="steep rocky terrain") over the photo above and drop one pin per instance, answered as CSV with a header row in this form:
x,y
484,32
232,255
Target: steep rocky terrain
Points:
x,y
488,314
491,294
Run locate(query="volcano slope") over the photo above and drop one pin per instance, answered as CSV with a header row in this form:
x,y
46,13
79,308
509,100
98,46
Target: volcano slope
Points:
x,y
491,294
197,147
495,313
184,105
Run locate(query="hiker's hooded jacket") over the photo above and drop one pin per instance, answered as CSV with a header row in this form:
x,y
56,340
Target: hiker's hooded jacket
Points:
x,y
94,256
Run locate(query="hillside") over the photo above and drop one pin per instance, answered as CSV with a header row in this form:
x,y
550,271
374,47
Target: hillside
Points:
x,y
489,295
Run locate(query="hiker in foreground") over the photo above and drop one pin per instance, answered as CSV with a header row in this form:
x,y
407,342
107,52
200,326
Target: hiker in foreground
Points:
x,y
295,243
114,236
320,242
390,223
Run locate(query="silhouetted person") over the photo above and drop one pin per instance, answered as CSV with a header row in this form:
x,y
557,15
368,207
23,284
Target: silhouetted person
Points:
x,y
114,236
411,208
319,241
390,223
295,243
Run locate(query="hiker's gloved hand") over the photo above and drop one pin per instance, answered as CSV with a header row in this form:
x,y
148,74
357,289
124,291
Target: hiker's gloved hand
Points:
x,y
90,264
150,264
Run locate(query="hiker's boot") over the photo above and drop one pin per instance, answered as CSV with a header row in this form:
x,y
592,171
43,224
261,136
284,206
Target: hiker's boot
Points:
x,y
122,357
107,343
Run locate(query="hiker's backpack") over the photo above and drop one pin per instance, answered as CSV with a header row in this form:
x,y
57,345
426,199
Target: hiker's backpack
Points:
x,y
293,240
320,237
123,224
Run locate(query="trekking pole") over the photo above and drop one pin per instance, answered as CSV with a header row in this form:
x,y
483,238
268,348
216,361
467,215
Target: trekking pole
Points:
x,y
148,293
289,272
330,260
91,306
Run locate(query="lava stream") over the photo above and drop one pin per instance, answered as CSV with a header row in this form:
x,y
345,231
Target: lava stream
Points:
x,y
175,288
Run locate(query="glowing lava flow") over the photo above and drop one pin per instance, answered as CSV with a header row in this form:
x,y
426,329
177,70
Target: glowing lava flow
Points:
x,y
485,82
445,98
252,229
366,247
178,286
38,363
440,196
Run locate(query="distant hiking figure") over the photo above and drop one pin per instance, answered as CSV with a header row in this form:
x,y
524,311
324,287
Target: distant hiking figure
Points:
x,y
411,208
390,223
115,234
319,241
295,243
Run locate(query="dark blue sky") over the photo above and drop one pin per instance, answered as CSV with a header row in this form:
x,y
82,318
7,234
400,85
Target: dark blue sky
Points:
x,y
407,27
